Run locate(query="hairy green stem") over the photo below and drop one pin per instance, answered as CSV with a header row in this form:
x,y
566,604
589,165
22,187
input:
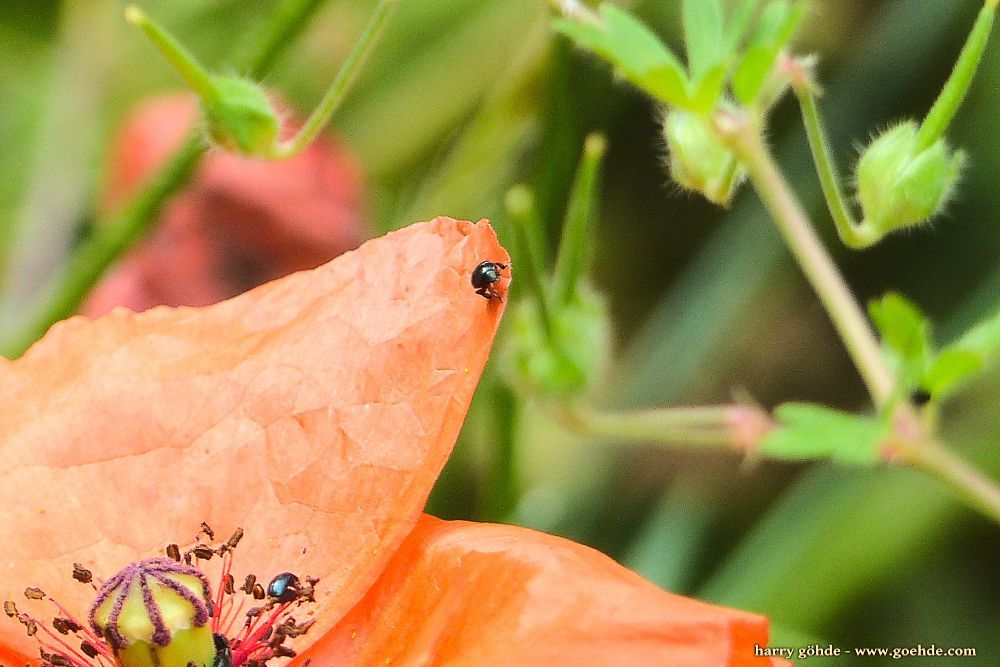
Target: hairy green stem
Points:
x,y
862,234
918,449
977,490
176,53
856,235
955,89
723,426
337,91
745,140
111,238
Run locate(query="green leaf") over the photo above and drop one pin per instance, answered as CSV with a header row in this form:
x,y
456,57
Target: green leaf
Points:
x,y
964,357
982,339
809,431
905,332
707,89
757,63
738,24
951,366
771,23
703,37
775,29
634,50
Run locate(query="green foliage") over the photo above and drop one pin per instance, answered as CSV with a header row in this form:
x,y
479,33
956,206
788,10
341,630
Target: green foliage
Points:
x,y
753,77
699,160
566,359
907,337
807,431
905,333
703,35
711,44
634,50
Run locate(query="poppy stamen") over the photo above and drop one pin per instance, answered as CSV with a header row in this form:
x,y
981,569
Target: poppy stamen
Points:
x,y
161,611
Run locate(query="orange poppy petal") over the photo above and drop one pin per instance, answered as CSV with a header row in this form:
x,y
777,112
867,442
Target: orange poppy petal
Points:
x,y
315,412
477,594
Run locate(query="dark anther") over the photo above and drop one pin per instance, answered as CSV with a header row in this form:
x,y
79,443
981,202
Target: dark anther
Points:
x,y
204,552
174,552
66,626
55,659
82,574
258,592
283,652
223,653
284,587
29,624
33,593
88,649
234,539
248,583
209,533
9,608
230,584
254,612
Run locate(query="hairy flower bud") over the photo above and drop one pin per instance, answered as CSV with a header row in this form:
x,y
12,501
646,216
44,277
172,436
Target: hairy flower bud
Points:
x,y
240,118
901,185
699,160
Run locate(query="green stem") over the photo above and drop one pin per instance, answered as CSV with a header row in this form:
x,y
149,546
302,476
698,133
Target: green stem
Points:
x,y
977,490
108,242
503,488
946,106
723,426
745,140
577,240
284,25
176,53
520,204
856,235
337,91
112,238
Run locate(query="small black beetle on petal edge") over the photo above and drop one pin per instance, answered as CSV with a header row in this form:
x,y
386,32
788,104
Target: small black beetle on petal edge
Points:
x,y
485,277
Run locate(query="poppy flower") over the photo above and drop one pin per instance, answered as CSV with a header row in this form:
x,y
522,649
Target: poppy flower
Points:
x,y
313,413
238,224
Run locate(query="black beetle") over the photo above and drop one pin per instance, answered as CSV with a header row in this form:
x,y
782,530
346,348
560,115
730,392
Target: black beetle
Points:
x,y
284,587
485,277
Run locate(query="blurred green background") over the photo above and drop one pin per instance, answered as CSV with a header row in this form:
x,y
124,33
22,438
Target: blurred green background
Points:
x,y
464,98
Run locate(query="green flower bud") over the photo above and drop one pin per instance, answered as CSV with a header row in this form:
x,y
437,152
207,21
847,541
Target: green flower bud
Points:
x,y
156,613
570,359
900,185
240,117
699,160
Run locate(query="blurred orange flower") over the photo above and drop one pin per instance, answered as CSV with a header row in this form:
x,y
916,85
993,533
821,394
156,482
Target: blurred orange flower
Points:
x,y
316,412
238,224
